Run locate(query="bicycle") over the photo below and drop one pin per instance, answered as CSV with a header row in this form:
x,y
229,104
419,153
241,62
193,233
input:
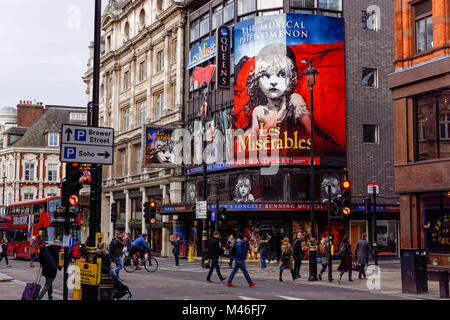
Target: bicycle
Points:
x,y
149,263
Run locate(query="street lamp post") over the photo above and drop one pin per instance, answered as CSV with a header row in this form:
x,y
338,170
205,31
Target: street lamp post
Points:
x,y
311,76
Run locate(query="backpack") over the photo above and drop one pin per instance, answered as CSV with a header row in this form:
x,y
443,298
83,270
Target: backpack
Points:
x,y
342,253
111,246
323,250
285,257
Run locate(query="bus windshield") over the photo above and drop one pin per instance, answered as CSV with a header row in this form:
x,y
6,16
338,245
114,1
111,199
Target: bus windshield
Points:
x,y
53,204
52,233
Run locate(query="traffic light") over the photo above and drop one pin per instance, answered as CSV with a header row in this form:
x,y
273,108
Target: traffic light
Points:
x,y
346,193
113,212
147,212
367,205
152,212
71,186
223,213
337,205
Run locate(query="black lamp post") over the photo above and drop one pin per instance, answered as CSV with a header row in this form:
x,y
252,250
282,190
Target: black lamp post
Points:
x,y
311,76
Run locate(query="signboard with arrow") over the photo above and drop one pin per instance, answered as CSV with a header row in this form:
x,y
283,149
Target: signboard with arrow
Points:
x,y
87,144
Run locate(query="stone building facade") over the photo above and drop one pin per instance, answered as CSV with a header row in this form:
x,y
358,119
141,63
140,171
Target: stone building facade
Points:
x,y
141,83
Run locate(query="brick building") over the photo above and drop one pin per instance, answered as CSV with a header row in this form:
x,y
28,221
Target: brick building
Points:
x,y
421,94
30,156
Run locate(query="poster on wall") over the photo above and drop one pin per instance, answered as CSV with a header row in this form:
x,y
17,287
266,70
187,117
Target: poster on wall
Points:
x,y
271,96
159,147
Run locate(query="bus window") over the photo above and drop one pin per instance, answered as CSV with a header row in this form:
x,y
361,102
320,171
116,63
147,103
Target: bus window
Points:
x,y
42,207
52,204
26,209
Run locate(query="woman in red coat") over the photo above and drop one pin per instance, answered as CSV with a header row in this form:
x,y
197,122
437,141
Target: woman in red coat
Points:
x,y
345,253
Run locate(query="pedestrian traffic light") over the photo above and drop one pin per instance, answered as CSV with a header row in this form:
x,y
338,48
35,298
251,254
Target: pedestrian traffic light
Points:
x,y
71,186
223,213
346,193
113,212
337,206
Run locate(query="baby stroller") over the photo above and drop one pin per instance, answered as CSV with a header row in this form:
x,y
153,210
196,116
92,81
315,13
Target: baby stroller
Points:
x,y
120,289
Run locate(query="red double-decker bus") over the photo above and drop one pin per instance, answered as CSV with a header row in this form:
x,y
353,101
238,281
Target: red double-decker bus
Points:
x,y
42,218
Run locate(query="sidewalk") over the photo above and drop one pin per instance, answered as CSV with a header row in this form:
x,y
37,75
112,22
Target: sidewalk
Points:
x,y
12,289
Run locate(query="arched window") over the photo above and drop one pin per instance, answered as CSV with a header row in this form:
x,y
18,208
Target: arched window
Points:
x,y
142,19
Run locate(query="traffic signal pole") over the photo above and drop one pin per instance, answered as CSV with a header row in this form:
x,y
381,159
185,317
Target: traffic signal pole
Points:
x,y
330,240
374,225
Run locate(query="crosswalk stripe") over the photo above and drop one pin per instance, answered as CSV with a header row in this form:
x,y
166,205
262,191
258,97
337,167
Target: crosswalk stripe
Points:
x,y
290,298
248,298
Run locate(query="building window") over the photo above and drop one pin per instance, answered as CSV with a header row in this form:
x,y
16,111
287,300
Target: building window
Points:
x,y
216,17
269,4
126,31
77,116
160,61
53,138
28,196
194,30
126,119
433,125
126,80
435,209
335,5
141,113
228,11
303,3
52,172
123,163
159,103
368,20
204,25
142,19
142,71
424,26
369,77
246,6
371,133
29,171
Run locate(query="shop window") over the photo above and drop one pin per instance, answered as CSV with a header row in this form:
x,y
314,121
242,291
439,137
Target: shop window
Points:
x,y
433,126
424,26
371,133
369,77
435,208
386,231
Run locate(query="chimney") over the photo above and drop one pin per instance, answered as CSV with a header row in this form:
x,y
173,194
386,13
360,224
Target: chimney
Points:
x,y
27,113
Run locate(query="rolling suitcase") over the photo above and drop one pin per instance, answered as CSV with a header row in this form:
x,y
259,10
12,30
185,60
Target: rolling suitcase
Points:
x,y
31,291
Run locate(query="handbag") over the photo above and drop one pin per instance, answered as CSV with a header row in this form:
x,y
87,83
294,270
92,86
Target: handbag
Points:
x,y
31,291
355,266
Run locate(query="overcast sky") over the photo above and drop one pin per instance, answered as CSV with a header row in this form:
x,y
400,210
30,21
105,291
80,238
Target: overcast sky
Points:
x,y
44,50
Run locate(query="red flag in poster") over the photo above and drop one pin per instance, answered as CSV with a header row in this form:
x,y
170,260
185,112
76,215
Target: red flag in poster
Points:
x,y
202,75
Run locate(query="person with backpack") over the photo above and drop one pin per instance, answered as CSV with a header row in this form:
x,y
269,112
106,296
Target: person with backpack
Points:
x,y
324,250
116,249
240,253
4,251
214,252
230,244
287,258
48,258
298,254
345,254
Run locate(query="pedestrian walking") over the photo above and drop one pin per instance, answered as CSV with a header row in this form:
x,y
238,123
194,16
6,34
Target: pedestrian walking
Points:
x,y
272,250
324,251
176,248
263,250
214,252
230,243
48,258
127,244
4,251
286,258
241,248
345,253
362,254
116,250
32,251
298,254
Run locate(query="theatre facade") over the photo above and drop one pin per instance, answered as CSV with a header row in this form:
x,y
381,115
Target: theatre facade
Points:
x,y
257,130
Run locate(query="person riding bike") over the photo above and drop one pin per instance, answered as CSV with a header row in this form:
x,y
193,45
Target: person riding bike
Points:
x,y
139,246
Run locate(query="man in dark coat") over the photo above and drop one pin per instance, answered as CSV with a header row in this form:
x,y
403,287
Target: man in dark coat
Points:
x,y
48,258
263,251
298,255
214,252
362,253
116,250
176,248
345,253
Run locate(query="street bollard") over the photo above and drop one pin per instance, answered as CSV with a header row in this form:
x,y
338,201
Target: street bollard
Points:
x,y
190,254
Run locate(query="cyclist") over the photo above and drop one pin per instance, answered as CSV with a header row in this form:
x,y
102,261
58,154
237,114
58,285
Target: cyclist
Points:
x,y
139,246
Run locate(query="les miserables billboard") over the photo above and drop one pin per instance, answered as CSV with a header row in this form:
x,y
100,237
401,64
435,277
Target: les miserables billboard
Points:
x,y
272,98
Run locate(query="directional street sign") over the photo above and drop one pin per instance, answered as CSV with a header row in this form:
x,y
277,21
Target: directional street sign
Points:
x,y
87,144
200,210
